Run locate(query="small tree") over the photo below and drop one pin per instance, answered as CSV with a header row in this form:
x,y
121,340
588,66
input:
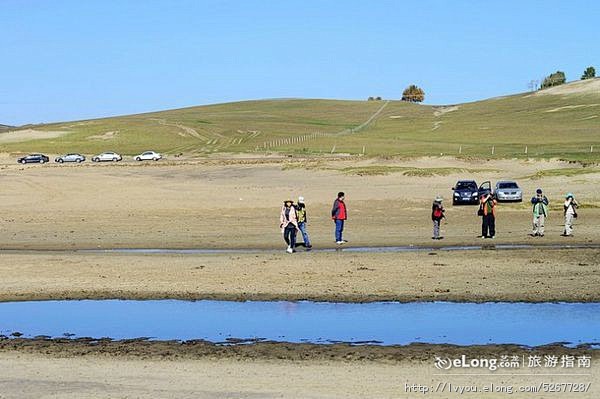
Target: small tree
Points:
x,y
589,73
413,94
555,79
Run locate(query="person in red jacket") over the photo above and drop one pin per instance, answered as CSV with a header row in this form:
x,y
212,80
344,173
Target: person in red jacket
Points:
x,y
339,214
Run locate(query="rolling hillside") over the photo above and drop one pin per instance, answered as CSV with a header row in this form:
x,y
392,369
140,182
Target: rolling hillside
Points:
x,y
562,122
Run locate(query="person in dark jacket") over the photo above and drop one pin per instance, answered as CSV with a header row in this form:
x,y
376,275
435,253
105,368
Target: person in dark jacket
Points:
x,y
339,214
437,214
540,212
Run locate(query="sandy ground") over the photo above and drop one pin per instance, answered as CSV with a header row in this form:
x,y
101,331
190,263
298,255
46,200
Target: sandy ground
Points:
x,y
30,375
524,275
15,136
237,205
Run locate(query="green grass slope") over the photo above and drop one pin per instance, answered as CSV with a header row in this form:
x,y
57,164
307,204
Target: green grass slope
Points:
x,y
562,122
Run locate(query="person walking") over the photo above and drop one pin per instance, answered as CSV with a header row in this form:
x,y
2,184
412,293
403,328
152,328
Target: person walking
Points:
x,y
487,211
540,213
570,207
302,222
339,214
289,225
437,214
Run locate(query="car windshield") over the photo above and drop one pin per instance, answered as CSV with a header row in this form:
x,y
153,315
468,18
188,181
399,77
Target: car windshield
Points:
x,y
507,185
466,185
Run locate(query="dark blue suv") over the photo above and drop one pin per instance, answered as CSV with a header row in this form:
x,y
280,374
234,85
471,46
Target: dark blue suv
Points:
x,y
467,192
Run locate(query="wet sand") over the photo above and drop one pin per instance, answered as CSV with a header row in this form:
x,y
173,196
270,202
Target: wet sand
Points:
x,y
485,275
37,369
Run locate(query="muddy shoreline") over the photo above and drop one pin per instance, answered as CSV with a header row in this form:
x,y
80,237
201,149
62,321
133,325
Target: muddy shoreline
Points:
x,y
196,349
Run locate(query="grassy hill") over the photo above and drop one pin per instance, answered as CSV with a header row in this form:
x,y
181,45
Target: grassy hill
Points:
x,y
562,122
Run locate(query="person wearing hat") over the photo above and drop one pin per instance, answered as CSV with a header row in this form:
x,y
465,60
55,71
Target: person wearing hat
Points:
x,y
303,221
289,224
540,212
570,207
437,214
339,214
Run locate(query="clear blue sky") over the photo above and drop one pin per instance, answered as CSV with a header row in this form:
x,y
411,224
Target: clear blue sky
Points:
x,y
67,60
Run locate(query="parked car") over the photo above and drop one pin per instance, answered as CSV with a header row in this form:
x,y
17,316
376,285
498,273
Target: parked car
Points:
x,y
508,190
34,158
467,191
70,158
107,156
148,156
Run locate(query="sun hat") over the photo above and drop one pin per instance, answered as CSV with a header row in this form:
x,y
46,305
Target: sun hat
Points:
x,y
569,195
539,191
301,200
439,198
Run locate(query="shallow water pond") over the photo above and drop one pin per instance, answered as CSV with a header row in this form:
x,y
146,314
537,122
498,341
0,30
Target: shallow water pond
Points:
x,y
384,323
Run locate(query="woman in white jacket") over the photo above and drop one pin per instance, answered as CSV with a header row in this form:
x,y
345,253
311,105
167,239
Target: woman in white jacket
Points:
x,y
289,225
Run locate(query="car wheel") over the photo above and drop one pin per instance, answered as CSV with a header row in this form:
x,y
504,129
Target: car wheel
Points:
x,y
60,160
155,159
138,159
114,159
79,160
23,161
42,161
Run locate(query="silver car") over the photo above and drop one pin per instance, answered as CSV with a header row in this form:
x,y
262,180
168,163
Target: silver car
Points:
x,y
107,156
70,158
508,190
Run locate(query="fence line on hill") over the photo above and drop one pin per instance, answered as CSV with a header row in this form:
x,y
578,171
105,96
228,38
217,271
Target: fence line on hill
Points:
x,y
312,136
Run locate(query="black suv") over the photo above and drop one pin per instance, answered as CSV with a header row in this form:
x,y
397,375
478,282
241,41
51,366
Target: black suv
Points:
x,y
467,191
34,158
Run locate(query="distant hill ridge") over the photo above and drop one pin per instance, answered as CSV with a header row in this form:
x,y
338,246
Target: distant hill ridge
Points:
x,y
559,122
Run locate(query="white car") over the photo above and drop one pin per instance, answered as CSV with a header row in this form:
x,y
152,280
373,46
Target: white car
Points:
x,y
148,156
107,156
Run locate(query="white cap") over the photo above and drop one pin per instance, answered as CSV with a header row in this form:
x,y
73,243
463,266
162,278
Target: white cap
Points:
x,y
301,199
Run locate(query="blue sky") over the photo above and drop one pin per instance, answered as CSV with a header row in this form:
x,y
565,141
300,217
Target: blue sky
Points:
x,y
68,60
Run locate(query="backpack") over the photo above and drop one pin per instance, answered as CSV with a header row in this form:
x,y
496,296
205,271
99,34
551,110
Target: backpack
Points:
x,y
437,212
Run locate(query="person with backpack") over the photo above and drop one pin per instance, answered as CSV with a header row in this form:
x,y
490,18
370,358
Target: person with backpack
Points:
x,y
570,207
437,214
303,221
540,212
339,214
288,225
487,211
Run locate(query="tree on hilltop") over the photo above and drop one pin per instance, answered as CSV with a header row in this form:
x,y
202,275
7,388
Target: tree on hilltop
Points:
x,y
554,79
589,73
413,94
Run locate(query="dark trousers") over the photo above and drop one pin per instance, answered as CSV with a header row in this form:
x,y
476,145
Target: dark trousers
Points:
x,y
289,235
488,226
